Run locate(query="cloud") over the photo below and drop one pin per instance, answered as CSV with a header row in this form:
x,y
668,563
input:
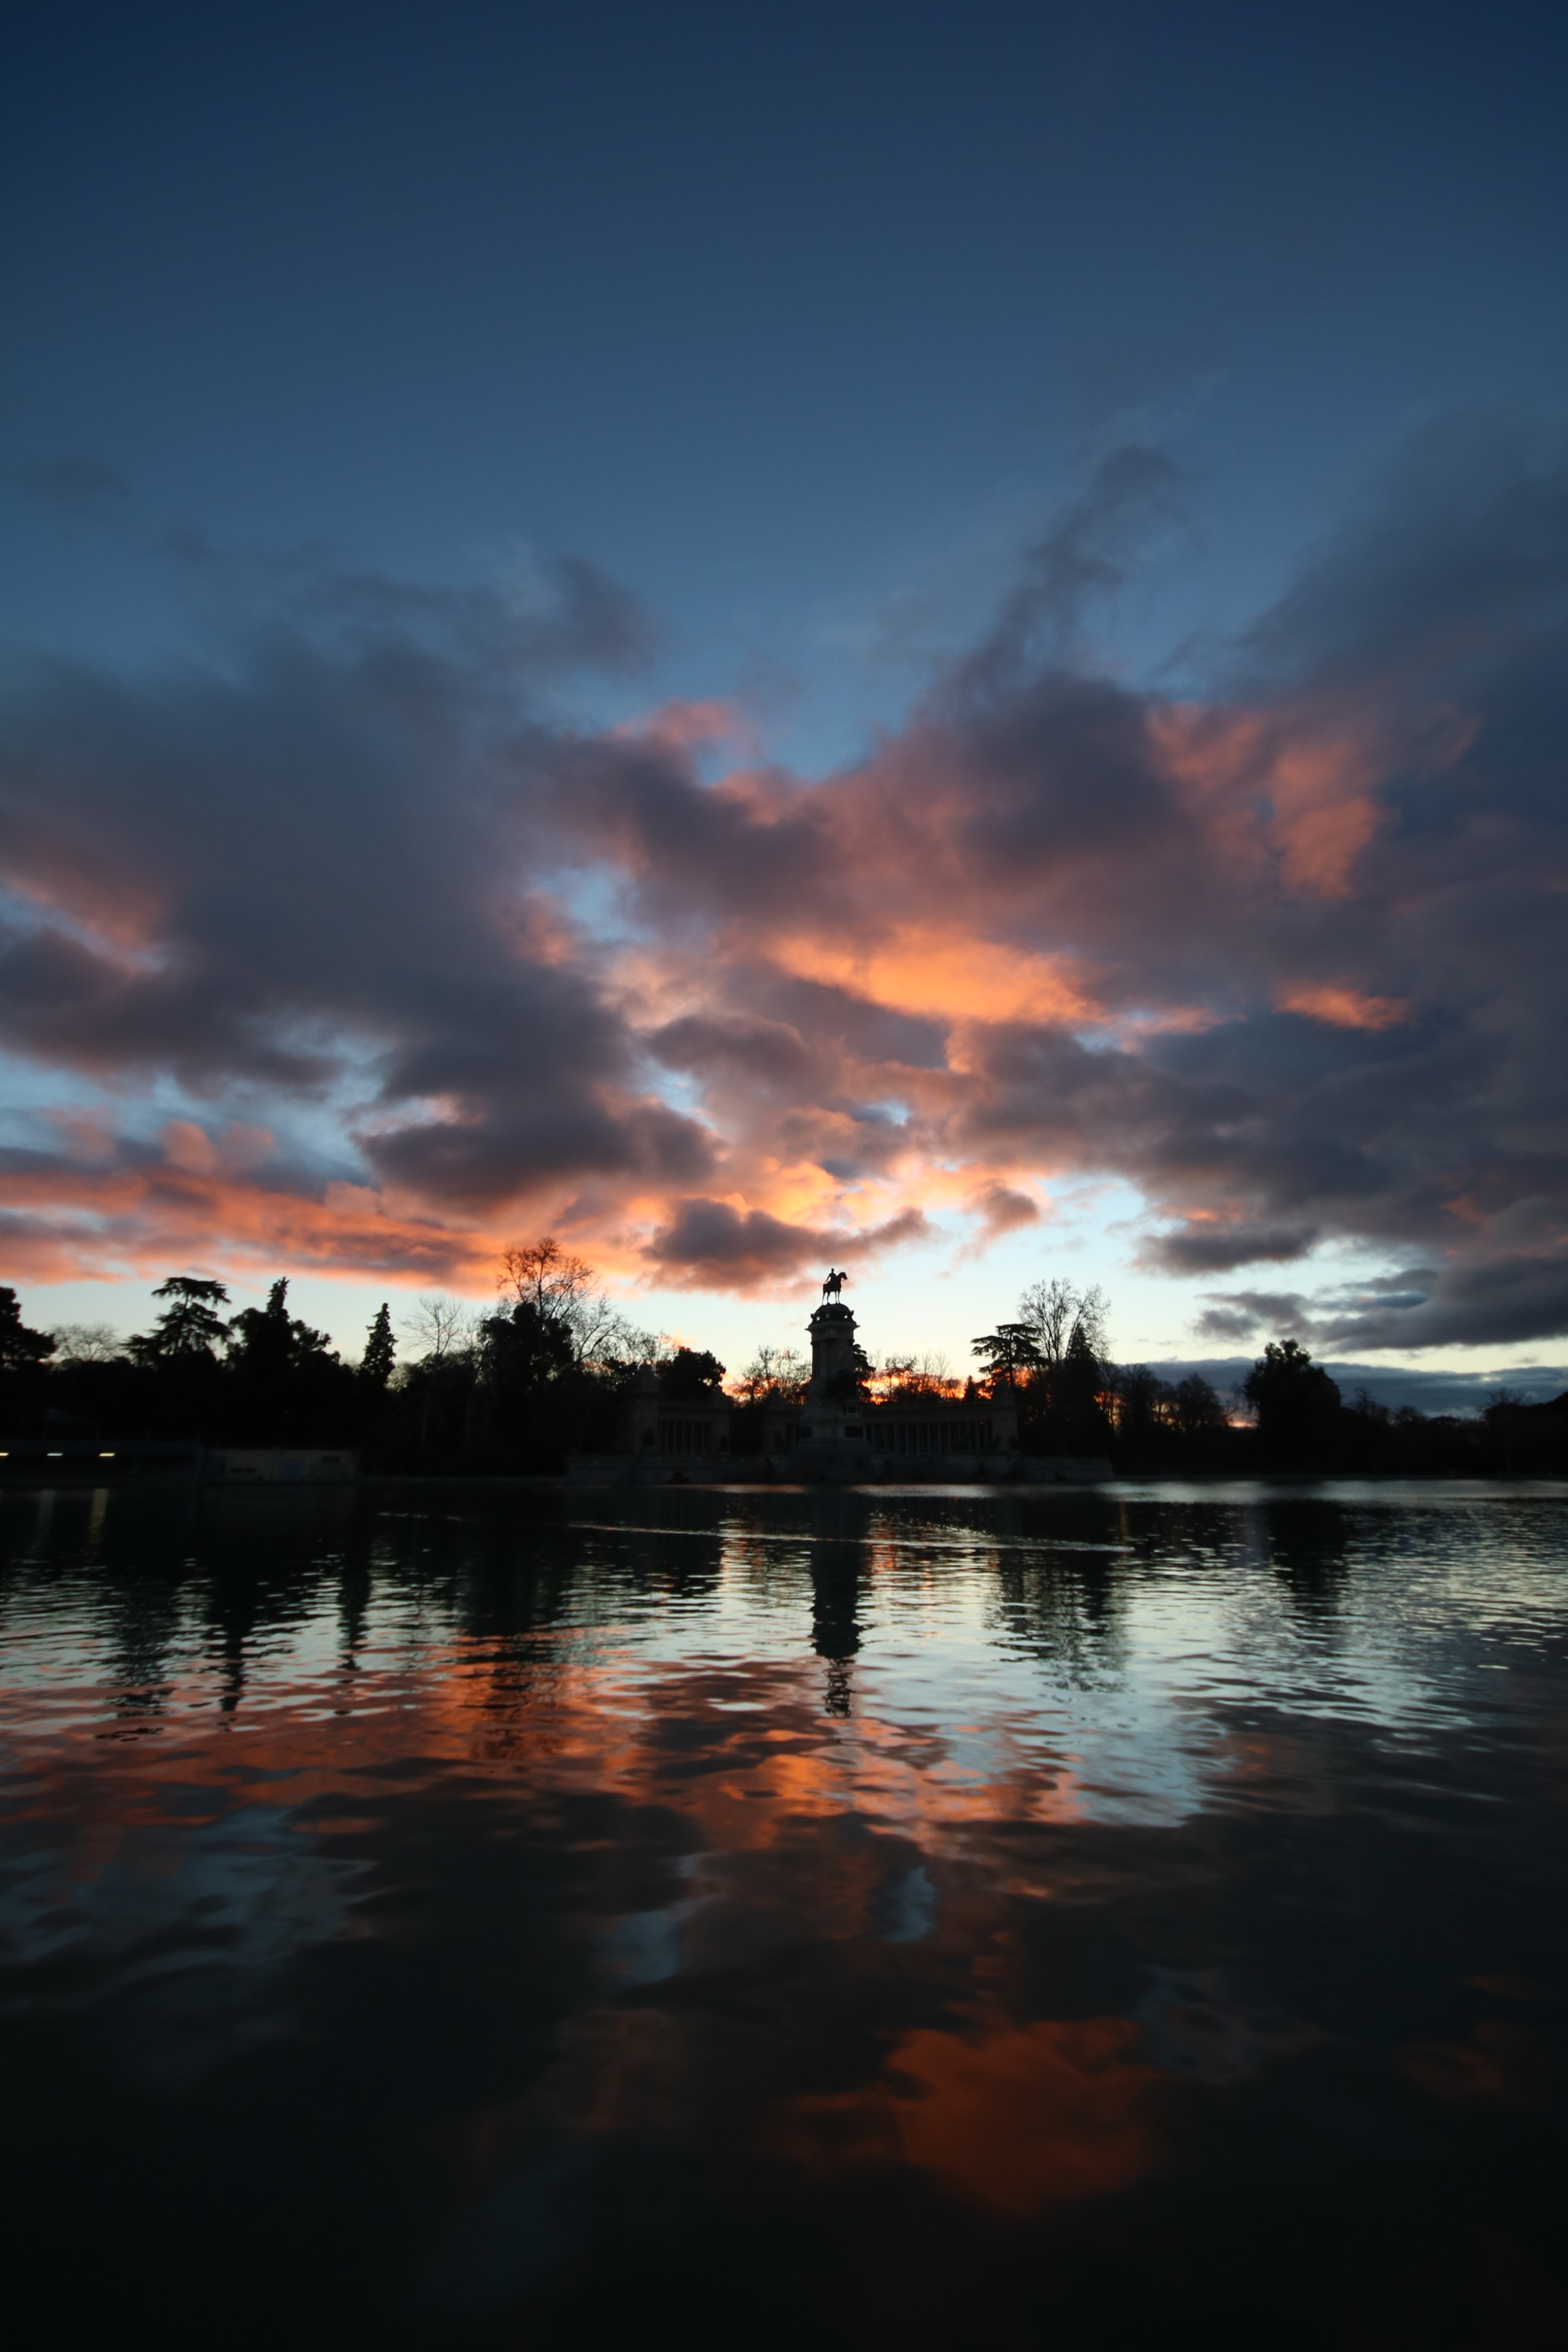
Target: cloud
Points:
x,y
1287,956
1001,1209
310,879
1392,1385
1342,1008
1241,1312
1097,543
1205,1248
74,485
1238,1323
712,1246
1490,1299
149,1214
756,1052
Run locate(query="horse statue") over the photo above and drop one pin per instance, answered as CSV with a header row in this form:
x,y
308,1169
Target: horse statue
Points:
x,y
835,1283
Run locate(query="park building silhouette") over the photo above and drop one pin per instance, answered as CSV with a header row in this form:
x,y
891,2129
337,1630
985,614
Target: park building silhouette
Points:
x,y
833,1432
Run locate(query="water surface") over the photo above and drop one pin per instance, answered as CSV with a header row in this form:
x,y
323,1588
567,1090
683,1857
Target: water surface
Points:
x,y
449,1916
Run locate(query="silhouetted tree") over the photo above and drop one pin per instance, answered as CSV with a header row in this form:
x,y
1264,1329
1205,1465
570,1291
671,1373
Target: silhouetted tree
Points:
x,y
88,1343
544,1275
379,1351
535,1347
1052,1311
20,1349
286,1382
1005,1353
260,1340
1057,1321
441,1326
189,1327
1080,1388
560,1286
520,1379
691,1374
1297,1405
1146,1407
22,1356
1199,1408
774,1375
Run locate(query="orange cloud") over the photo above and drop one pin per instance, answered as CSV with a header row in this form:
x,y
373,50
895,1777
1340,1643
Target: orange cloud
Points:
x,y
945,972
1342,1007
1281,782
86,1224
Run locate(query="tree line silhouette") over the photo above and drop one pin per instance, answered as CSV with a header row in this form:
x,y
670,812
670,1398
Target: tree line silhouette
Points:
x,y
545,1372
511,1390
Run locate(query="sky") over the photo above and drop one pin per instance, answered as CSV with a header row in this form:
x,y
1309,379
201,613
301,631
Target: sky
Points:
x,y
926,640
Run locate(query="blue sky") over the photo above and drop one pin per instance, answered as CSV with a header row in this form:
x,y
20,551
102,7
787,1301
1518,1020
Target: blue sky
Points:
x,y
803,329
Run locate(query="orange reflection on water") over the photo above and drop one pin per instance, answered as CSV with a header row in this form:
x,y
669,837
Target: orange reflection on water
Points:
x,y
1023,2118
741,1750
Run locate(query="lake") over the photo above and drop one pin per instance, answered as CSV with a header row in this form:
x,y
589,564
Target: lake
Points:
x,y
493,1916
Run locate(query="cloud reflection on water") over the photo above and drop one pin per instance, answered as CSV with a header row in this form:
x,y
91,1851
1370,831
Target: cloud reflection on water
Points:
x,y
541,1868
1017,2119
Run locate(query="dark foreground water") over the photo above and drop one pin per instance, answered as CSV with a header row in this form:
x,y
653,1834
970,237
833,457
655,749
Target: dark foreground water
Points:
x,y
464,1916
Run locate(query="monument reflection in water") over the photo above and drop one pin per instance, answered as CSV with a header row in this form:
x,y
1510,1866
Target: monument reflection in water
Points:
x,y
803,1918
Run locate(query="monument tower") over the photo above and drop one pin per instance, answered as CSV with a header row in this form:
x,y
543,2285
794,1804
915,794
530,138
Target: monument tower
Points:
x,y
832,1329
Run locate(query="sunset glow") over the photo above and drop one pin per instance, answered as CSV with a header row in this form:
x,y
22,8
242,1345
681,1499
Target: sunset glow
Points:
x,y
784,819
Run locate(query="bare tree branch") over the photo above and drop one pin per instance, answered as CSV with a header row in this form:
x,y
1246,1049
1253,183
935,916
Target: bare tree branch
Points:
x,y
87,1343
441,1327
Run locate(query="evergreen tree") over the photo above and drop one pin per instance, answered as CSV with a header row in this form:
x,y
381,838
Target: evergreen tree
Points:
x,y
1297,1405
189,1329
20,1350
267,1343
259,1343
1080,1383
379,1351
1005,1352
286,1385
